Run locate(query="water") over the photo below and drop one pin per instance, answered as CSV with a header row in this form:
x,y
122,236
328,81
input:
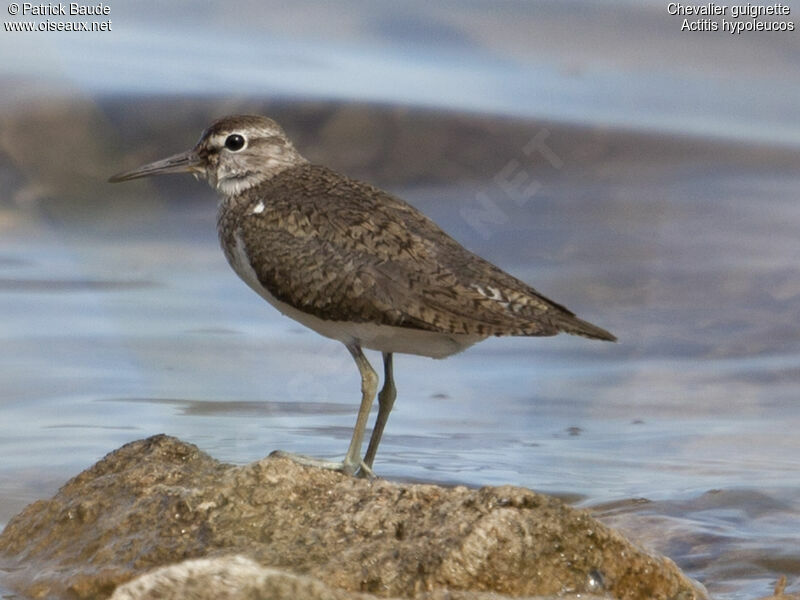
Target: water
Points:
x,y
623,63
678,232
122,320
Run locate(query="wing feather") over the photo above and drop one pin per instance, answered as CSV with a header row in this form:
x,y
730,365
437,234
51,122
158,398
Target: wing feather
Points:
x,y
344,250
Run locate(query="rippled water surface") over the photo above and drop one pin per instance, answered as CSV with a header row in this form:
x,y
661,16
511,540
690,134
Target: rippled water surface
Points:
x,y
656,199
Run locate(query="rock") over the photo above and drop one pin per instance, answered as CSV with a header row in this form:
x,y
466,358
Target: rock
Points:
x,y
160,501
226,578
231,577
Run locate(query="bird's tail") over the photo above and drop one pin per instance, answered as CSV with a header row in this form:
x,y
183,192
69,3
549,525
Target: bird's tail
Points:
x,y
575,326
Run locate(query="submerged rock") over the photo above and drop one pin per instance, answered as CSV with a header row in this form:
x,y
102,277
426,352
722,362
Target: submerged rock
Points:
x,y
160,501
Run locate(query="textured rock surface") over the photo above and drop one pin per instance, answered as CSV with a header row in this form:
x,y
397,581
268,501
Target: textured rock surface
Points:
x,y
159,501
237,577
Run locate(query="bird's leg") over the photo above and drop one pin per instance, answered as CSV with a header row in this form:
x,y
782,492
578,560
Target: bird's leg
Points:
x,y
385,402
352,460
369,385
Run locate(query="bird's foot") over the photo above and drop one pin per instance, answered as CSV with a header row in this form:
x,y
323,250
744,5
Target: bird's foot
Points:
x,y
357,468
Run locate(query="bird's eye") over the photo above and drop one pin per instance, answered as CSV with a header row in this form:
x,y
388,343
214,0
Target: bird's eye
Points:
x,y
234,142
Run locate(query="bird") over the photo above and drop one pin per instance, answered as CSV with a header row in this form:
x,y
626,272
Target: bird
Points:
x,y
353,263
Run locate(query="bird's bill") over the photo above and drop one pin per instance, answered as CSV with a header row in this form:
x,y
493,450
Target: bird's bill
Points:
x,y
185,162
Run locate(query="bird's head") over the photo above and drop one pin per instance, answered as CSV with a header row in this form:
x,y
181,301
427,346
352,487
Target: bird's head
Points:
x,y
233,154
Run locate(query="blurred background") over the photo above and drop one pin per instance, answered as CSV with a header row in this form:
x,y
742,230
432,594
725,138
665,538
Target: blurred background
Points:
x,y
644,176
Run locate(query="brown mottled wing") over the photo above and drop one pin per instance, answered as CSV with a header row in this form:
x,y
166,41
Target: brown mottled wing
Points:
x,y
343,250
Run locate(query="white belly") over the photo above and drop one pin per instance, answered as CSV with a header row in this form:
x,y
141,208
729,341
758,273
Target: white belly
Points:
x,y
384,338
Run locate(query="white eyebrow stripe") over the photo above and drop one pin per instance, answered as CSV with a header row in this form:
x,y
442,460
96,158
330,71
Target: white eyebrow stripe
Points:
x,y
218,139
